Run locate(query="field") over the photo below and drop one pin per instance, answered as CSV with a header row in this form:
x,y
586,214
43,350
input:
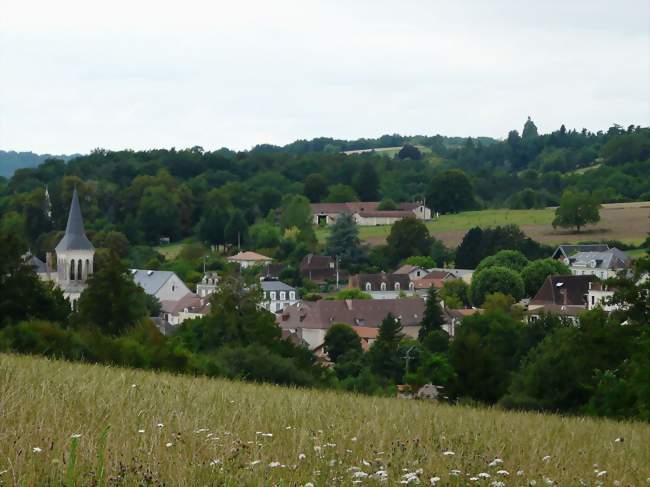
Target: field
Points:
x,y
77,424
628,222
170,251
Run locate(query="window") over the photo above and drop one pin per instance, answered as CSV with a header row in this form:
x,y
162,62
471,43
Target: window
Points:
x,y
72,270
292,295
368,286
411,286
383,286
272,295
87,267
79,270
173,287
397,286
283,296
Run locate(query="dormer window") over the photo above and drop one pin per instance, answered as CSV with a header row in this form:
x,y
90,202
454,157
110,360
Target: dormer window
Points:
x,y
283,296
411,286
368,286
397,286
383,286
272,295
292,295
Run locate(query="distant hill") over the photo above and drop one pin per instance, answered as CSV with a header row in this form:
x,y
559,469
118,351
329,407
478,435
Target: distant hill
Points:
x,y
12,160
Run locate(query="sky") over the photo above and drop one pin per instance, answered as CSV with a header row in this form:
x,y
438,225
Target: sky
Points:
x,y
139,74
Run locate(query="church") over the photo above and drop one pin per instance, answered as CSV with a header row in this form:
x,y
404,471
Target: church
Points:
x,y
74,256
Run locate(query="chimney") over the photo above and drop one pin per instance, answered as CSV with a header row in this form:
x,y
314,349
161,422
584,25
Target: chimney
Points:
x,y
48,262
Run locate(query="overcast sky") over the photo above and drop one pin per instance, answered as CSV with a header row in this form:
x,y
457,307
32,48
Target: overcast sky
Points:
x,y
139,74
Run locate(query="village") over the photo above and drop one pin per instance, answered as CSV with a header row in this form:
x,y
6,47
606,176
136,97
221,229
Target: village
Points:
x,y
360,301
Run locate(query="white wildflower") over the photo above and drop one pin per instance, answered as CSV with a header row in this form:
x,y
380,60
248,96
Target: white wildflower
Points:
x,y
354,438
498,483
140,431
474,479
359,475
330,445
434,480
520,473
133,385
274,464
214,462
505,473
301,456
308,484
455,472
619,440
546,458
602,473
168,444
365,462
380,474
36,449
255,462
160,425
448,453
484,475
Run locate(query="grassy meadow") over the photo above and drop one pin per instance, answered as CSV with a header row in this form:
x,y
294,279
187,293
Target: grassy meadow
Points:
x,y
76,424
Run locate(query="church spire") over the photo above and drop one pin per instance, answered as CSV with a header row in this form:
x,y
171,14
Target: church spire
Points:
x,y
75,236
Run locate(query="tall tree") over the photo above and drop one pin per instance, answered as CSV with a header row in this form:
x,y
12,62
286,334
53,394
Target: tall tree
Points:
x,y
366,183
450,192
409,151
212,227
343,242
496,280
112,301
236,231
433,318
384,355
159,214
577,209
296,212
341,193
315,187
530,130
408,237
341,339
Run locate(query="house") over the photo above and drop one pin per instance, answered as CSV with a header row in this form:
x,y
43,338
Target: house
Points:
x,y
563,252
367,213
164,285
382,285
249,259
599,295
311,320
172,310
454,317
367,337
320,269
562,295
208,284
605,264
464,274
277,295
435,278
414,272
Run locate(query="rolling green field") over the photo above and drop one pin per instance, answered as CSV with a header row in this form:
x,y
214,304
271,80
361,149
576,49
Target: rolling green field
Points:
x,y
75,424
170,251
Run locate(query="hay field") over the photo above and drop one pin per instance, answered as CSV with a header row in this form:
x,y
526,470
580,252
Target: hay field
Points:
x,y
141,428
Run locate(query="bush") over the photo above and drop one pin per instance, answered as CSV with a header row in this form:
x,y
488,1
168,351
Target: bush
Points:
x,y
496,280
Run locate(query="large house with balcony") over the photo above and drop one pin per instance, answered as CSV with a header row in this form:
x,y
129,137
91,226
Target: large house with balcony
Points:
x,y
277,295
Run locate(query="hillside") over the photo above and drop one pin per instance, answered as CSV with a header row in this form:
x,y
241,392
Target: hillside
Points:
x,y
170,430
10,161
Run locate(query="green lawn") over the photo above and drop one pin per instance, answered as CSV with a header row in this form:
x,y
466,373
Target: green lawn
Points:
x,y
170,251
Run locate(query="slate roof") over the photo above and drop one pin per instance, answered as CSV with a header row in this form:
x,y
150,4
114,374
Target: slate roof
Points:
x,y
190,300
274,285
354,312
568,250
609,259
38,265
563,291
75,236
375,280
316,262
150,281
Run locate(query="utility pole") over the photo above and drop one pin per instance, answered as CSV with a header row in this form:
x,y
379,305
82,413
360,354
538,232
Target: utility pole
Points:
x,y
408,357
337,272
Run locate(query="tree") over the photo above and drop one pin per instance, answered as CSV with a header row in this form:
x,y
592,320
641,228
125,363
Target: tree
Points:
x,y
576,209
384,352
366,183
422,261
433,319
112,301
387,204
296,212
159,214
236,231
315,187
408,237
450,192
264,235
341,193
536,272
470,250
511,259
212,227
530,130
455,289
349,293
341,339
409,151
343,242
493,280
115,241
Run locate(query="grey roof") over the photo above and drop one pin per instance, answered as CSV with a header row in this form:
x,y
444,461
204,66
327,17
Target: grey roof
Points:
x,y
75,236
456,272
38,265
569,250
150,281
272,285
610,259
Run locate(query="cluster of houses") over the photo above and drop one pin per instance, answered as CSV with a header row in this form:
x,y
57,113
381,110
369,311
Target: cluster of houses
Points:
x,y
402,293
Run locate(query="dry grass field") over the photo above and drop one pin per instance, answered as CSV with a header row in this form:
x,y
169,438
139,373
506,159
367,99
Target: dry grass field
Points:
x,y
75,424
628,222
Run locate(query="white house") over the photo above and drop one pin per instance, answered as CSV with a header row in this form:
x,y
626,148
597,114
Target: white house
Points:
x,y
598,295
249,259
164,285
208,284
277,295
605,264
368,213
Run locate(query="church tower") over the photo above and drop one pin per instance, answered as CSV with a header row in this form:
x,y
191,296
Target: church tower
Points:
x,y
74,254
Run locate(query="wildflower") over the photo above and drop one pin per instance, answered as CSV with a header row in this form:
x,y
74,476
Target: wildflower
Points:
x,y
168,444
160,425
37,449
474,479
434,480
602,473
308,484
448,453
359,475
133,385
332,463
455,472
75,435
214,462
498,483
546,458
255,462
140,431
330,445
484,475
301,456
287,428
520,473
619,440
495,462
505,473
380,474
274,464
366,463
354,438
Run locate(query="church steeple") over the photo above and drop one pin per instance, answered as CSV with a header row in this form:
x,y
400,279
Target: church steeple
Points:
x,y
75,236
